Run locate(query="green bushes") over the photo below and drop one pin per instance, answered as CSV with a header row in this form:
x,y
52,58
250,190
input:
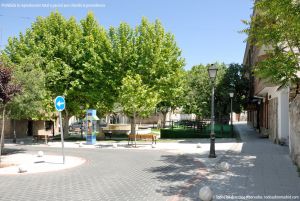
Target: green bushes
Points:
x,y
178,133
221,131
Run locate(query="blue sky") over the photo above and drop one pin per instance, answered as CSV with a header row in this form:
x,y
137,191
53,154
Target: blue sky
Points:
x,y
205,30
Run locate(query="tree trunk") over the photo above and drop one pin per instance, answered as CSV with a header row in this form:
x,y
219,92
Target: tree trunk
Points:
x,y
2,133
66,123
158,124
133,131
14,134
164,113
52,127
46,134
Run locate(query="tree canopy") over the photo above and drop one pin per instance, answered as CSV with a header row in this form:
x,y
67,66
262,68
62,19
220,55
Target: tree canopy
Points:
x,y
276,26
198,90
138,68
8,89
88,65
137,98
69,57
152,55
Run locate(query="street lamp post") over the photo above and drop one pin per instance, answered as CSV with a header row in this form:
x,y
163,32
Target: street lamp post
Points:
x,y
212,72
231,117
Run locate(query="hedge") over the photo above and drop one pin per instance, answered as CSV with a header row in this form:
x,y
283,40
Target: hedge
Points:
x,y
191,133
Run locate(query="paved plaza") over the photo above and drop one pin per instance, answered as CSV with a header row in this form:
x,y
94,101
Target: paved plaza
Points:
x,y
259,168
108,174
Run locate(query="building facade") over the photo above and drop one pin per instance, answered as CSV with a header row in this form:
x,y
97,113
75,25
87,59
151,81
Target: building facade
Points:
x,y
274,111
26,128
268,104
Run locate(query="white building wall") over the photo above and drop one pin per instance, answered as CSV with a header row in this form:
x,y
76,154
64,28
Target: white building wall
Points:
x,y
283,111
283,114
73,119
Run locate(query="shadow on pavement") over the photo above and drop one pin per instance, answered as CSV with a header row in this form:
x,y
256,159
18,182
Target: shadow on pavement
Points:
x,y
10,151
260,168
179,175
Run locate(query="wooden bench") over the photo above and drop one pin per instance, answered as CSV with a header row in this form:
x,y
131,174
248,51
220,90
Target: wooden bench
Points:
x,y
141,137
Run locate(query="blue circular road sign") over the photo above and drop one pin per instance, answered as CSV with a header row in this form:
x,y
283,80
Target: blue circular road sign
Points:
x,y
60,103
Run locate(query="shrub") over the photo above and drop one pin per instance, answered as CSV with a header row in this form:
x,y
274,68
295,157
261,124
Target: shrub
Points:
x,y
178,133
192,133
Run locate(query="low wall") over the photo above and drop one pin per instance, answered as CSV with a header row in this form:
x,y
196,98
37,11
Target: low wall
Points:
x,y
143,131
20,127
118,128
124,128
294,141
39,128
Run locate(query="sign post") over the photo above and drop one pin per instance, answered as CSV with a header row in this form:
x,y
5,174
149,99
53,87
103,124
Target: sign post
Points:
x,y
60,105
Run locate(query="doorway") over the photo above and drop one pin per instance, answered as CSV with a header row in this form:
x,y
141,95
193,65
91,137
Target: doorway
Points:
x,y
30,128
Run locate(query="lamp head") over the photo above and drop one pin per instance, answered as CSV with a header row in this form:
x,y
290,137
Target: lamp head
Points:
x,y
212,71
231,94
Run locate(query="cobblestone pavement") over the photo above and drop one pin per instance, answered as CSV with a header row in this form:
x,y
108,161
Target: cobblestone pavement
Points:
x,y
108,174
260,170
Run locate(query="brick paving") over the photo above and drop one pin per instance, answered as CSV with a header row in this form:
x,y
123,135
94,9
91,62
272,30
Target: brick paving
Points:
x,y
259,169
108,174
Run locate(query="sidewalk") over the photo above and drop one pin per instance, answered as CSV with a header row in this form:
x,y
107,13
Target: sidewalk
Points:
x,y
180,146
259,169
184,148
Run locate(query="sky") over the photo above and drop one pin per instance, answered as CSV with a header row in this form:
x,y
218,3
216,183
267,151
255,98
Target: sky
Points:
x,y
207,31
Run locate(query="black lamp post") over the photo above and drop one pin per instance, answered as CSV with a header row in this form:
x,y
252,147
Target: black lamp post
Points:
x,y
212,72
231,94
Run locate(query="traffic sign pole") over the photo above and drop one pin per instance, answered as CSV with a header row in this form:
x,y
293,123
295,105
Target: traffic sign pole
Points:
x,y
62,137
60,105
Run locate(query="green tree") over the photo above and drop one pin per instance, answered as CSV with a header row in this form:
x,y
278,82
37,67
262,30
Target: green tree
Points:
x,y
8,89
72,57
87,65
54,42
198,90
124,57
151,53
232,79
136,98
171,92
97,74
160,63
276,25
34,101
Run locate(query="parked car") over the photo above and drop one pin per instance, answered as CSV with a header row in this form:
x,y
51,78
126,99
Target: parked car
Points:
x,y
76,126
